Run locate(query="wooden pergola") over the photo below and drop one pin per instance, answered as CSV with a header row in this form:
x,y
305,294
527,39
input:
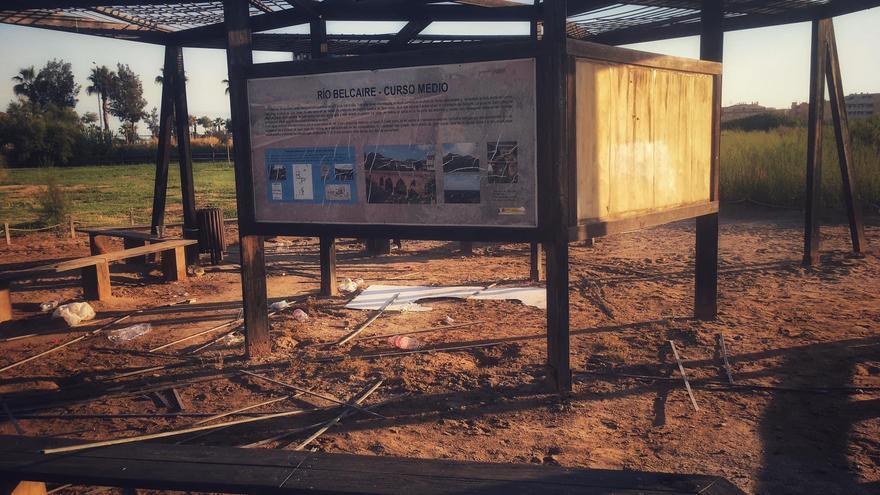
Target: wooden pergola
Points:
x,y
242,26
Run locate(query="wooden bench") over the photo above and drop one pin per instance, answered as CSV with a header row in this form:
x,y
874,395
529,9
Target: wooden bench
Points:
x,y
268,471
98,239
96,270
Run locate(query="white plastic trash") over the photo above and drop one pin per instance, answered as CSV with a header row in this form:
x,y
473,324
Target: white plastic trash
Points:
x,y
300,315
129,333
74,313
348,285
279,305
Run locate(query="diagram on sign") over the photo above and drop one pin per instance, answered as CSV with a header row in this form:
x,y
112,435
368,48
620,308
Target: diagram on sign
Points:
x,y
311,175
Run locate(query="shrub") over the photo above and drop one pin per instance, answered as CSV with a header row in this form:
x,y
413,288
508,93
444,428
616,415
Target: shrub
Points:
x,y
53,205
760,122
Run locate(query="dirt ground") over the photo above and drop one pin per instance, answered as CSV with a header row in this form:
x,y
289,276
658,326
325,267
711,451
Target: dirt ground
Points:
x,y
809,336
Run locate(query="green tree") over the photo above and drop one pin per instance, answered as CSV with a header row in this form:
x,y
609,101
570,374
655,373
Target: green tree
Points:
x,y
52,85
34,136
152,121
24,82
127,101
206,124
102,81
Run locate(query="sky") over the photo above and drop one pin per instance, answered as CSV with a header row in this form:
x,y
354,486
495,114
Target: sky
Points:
x,y
769,65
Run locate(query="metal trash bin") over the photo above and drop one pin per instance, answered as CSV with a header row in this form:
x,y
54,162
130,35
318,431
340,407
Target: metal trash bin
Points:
x,y
212,233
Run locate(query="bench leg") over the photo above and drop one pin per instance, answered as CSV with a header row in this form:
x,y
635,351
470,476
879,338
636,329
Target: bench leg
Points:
x,y
96,282
5,302
174,264
99,244
22,488
135,243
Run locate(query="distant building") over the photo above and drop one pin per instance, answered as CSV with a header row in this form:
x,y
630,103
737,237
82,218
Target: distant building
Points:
x,y
862,105
742,110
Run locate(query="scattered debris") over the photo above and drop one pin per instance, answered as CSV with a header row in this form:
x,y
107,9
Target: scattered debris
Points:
x,y
237,320
348,285
74,313
684,377
300,315
404,342
242,409
448,320
354,403
279,305
425,330
129,333
195,271
373,296
363,326
48,306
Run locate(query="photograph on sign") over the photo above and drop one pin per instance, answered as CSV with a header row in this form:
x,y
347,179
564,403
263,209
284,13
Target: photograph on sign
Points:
x,y
450,145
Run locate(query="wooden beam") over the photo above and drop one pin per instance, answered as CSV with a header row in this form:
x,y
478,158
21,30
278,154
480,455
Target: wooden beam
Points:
x,y
818,61
844,151
318,38
184,152
706,257
555,89
163,153
130,19
239,58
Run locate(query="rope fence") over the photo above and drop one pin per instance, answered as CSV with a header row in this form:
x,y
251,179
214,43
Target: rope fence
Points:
x,y
7,230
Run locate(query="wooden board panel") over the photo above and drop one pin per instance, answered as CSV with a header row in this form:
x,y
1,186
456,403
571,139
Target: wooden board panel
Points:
x,y
643,139
226,469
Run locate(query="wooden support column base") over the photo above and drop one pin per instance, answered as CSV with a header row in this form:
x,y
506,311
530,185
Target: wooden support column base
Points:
x,y
99,244
328,267
706,268
466,248
96,282
558,357
174,264
5,302
254,296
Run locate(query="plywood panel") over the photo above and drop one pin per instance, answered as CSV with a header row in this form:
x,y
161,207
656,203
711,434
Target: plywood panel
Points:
x,y
643,139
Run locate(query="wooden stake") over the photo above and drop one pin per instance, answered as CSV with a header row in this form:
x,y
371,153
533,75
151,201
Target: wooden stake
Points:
x,y
72,227
684,377
355,404
370,320
6,231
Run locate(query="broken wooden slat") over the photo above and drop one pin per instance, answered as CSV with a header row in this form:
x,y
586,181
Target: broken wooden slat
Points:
x,y
684,377
426,330
355,403
309,392
241,409
723,347
370,320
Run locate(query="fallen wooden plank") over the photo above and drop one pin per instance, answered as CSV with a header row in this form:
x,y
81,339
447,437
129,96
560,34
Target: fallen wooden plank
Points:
x,y
425,330
723,347
241,410
320,395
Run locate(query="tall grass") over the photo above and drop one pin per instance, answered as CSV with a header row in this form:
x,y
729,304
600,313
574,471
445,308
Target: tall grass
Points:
x,y
770,167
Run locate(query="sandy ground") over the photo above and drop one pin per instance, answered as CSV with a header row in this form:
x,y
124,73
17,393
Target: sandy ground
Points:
x,y
811,333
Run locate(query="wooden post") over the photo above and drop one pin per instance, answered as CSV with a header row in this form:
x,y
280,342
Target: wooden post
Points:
x,y
72,226
7,234
318,38
377,247
841,133
536,262
555,106
184,151
466,248
328,267
706,262
239,57
5,301
814,142
96,281
163,154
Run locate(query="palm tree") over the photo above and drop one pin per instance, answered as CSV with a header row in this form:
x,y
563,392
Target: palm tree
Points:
x,y
102,81
218,124
24,81
161,77
226,82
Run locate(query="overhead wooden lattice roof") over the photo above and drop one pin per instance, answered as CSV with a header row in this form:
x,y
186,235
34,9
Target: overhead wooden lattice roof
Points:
x,y
199,24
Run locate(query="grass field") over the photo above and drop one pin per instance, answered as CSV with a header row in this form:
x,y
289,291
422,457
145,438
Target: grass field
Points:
x,y
104,195
767,167
770,167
